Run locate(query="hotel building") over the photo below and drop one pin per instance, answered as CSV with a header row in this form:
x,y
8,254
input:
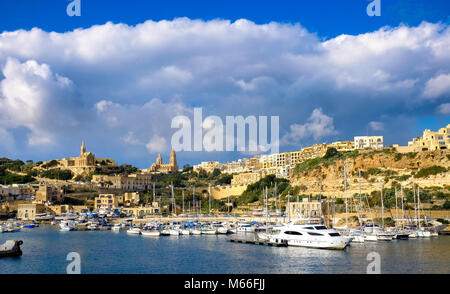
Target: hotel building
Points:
x,y
429,141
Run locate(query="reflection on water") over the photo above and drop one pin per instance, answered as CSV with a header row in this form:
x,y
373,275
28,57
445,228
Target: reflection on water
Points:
x,y
45,250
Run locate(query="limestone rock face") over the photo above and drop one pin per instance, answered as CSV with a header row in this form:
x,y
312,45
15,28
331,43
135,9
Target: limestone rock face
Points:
x,y
388,167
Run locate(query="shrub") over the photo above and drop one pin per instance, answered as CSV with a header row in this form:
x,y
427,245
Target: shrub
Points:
x,y
429,171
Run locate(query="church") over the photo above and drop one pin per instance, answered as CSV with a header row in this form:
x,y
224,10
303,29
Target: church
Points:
x,y
85,163
165,168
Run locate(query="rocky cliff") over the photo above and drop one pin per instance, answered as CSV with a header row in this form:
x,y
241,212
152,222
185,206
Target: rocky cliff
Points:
x,y
387,167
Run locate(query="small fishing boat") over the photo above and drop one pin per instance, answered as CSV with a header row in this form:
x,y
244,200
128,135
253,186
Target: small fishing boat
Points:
x,y
12,228
174,232
11,248
208,231
67,225
165,232
134,231
116,228
150,232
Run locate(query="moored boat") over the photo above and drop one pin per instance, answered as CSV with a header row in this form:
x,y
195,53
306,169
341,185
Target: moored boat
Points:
x,y
11,248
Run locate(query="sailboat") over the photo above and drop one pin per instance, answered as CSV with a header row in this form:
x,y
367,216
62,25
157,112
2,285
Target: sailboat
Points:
x,y
421,232
383,235
358,236
399,234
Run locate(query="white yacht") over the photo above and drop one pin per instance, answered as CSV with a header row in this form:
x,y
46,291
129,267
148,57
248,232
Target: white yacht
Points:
x,y
134,231
67,225
150,232
174,231
208,230
196,231
245,228
116,227
309,235
358,236
185,231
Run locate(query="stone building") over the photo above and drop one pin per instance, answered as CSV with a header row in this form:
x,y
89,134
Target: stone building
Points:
x,y
208,166
123,181
131,198
106,201
245,178
47,193
84,163
160,167
304,208
429,141
372,142
29,211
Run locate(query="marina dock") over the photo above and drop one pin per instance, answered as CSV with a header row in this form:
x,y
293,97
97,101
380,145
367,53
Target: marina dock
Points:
x,y
254,240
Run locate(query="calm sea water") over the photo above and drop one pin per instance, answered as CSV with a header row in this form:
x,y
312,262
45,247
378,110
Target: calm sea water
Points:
x,y
45,250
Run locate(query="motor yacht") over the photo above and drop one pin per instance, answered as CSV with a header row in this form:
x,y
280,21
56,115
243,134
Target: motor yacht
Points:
x,y
134,231
67,225
309,235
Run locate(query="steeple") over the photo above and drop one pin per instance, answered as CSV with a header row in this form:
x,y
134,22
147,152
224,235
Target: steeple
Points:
x,y
173,160
159,160
83,148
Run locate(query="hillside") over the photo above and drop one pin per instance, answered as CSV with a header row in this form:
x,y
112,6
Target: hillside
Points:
x,y
429,169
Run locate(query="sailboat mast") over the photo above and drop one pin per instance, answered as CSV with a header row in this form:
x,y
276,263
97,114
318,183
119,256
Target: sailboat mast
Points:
x,y
396,209
418,204
209,199
182,195
345,185
360,198
382,208
173,201
289,206
415,203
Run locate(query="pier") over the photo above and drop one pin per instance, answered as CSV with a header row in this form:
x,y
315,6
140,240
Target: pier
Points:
x,y
249,238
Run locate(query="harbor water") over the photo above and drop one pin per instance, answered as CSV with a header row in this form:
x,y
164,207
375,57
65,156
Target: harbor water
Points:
x,y
45,250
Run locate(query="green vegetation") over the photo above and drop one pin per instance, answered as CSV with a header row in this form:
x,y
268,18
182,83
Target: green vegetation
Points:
x,y
111,170
411,155
443,221
254,192
189,178
50,164
429,171
446,205
9,178
57,174
329,158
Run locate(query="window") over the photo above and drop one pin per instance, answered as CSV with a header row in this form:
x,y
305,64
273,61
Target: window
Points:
x,y
314,234
293,233
334,234
309,228
321,228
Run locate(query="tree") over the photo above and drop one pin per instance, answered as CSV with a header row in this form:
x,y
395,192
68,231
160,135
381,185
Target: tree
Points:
x,y
187,168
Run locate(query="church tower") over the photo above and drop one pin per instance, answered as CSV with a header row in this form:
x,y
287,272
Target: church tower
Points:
x,y
83,148
173,161
159,160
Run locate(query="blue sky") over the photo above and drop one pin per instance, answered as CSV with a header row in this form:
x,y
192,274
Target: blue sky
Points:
x,y
326,18
117,85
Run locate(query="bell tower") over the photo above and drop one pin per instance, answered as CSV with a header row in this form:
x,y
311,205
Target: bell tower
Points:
x,y
83,148
173,161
